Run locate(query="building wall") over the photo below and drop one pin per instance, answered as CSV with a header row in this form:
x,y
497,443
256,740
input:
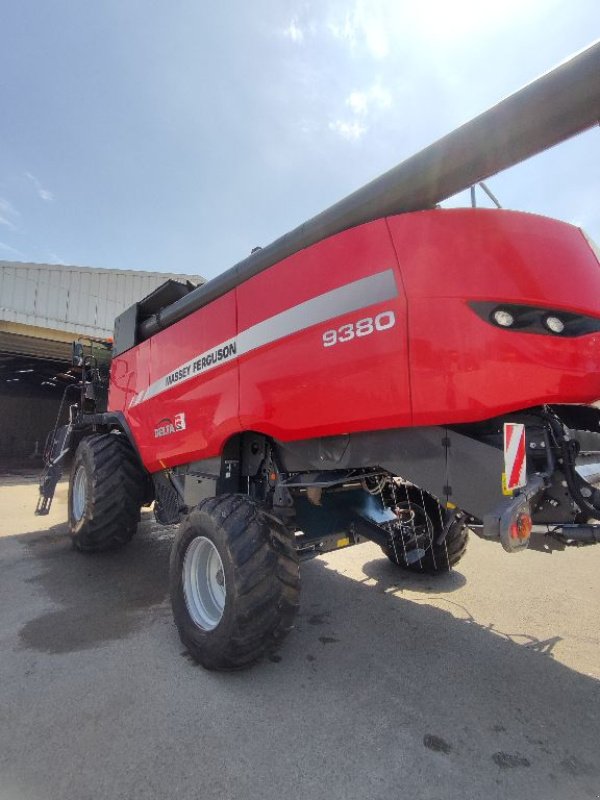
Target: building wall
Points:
x,y
81,300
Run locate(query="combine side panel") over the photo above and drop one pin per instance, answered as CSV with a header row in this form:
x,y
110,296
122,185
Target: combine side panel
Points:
x,y
323,340
188,408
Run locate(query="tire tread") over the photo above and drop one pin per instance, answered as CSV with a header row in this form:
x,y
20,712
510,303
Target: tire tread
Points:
x,y
116,484
266,580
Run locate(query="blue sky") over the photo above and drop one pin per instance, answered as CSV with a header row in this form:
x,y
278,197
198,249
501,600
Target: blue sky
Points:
x,y
145,134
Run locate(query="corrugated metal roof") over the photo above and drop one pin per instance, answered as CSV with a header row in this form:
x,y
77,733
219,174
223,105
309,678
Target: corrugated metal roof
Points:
x,y
83,300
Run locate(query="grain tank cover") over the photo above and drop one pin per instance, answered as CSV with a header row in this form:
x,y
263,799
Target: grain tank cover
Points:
x,y
126,324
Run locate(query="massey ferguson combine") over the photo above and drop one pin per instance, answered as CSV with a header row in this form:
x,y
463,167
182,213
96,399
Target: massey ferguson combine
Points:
x,y
388,371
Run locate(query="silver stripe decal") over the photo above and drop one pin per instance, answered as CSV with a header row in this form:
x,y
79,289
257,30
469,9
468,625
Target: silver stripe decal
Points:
x,y
351,297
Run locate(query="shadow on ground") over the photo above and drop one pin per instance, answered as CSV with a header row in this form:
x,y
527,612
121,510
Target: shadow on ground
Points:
x,y
100,597
366,674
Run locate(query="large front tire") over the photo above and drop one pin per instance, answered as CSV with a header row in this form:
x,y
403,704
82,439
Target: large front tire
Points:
x,y
235,582
106,491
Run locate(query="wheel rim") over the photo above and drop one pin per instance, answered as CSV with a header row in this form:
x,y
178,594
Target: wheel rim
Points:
x,y
79,493
204,583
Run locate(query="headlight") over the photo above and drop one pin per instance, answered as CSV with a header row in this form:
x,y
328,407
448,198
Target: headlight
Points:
x,y
503,318
554,324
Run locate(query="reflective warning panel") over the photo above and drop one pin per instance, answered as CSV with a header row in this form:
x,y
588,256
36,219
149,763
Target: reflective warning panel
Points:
x,y
514,455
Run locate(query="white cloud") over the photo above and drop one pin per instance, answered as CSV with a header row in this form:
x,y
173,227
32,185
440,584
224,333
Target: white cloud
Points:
x,y
7,223
375,98
351,131
376,38
8,214
294,31
12,250
365,25
358,102
43,194
345,30
6,207
380,96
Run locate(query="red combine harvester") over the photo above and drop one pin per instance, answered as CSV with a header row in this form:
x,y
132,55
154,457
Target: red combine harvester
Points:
x,y
388,371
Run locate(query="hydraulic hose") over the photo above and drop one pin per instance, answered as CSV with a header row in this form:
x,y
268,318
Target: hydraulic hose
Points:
x,y
569,450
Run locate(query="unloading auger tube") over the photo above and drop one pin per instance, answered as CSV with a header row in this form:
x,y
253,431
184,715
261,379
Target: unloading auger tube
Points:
x,y
551,109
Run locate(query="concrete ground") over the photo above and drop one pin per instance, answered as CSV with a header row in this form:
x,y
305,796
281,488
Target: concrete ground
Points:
x,y
481,684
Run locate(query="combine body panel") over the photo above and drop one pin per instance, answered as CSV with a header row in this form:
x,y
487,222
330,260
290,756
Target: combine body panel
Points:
x,y
371,329
464,369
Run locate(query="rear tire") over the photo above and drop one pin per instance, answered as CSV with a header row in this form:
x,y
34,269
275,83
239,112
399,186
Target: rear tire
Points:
x,y
414,547
106,491
235,582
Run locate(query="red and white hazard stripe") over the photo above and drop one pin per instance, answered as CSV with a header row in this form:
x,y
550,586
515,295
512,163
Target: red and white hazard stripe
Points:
x,y
514,455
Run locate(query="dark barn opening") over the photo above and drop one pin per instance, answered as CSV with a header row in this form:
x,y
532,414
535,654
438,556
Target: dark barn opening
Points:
x,y
33,377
